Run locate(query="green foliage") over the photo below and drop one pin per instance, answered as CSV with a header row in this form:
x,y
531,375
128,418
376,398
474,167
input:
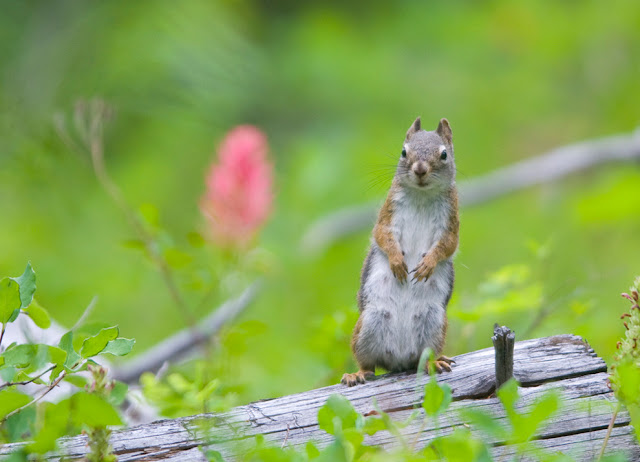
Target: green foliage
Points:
x,y
23,417
625,375
522,426
38,314
436,397
340,408
94,345
27,284
460,445
348,428
9,300
511,76
178,395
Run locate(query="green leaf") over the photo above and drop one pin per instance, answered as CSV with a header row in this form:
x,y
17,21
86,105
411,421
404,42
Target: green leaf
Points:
x,y
27,283
627,382
38,314
66,344
427,354
7,373
22,376
460,446
118,393
619,457
10,400
9,299
176,258
508,394
57,355
19,455
195,239
19,426
337,406
136,244
20,355
373,425
150,215
338,451
436,398
14,316
542,409
56,424
119,346
353,436
312,450
76,380
94,345
93,411
213,456
485,422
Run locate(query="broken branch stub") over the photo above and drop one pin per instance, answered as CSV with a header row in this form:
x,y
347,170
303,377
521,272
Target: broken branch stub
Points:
x,y
503,342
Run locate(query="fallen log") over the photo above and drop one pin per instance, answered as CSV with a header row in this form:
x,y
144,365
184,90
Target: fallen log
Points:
x,y
565,363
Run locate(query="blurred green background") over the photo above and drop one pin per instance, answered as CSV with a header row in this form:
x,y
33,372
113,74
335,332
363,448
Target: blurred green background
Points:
x,y
334,86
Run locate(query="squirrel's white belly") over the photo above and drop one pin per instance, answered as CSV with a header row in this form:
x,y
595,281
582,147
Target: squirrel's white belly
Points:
x,y
400,320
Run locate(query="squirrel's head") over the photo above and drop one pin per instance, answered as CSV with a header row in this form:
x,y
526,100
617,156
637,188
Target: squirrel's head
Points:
x,y
427,160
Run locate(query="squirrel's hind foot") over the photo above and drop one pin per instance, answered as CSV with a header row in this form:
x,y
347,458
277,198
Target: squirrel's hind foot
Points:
x,y
443,363
352,380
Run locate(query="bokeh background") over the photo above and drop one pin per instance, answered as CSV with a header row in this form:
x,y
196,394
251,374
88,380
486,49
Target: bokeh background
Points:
x,y
334,86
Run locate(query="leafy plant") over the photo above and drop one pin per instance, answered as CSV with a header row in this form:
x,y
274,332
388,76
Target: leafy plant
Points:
x,y
522,426
29,416
625,371
179,394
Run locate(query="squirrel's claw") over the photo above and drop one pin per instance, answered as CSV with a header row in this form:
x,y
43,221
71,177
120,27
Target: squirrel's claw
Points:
x,y
352,380
400,270
441,364
424,270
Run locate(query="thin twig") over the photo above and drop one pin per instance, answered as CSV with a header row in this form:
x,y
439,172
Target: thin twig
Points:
x,y
4,327
609,430
181,343
286,438
49,388
26,382
89,122
85,314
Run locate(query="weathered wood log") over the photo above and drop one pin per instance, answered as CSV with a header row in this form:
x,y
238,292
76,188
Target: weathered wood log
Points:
x,y
565,363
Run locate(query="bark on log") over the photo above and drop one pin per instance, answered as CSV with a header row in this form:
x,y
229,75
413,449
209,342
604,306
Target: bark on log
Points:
x,y
565,363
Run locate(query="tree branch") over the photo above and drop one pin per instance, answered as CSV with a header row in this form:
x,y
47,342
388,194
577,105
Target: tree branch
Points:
x,y
47,390
181,343
545,168
27,382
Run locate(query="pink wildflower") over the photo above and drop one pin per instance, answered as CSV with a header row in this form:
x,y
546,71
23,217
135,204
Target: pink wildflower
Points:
x,y
239,191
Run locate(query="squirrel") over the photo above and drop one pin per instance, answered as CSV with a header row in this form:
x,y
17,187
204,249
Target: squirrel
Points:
x,y
417,228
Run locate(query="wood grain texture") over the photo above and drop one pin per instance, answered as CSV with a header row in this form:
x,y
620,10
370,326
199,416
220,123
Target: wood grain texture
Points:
x,y
565,363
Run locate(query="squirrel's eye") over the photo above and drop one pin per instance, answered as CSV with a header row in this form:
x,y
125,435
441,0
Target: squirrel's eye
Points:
x,y
404,152
443,155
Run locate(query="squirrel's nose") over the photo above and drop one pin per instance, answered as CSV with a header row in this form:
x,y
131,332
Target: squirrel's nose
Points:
x,y
420,169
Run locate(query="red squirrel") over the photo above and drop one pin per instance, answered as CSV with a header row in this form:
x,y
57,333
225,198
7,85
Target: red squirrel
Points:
x,y
404,311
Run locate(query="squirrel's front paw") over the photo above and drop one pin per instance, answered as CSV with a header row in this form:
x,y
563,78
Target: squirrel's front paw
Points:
x,y
424,270
399,268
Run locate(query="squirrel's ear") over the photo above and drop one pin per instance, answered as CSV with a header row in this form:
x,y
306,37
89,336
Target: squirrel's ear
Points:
x,y
415,127
444,130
